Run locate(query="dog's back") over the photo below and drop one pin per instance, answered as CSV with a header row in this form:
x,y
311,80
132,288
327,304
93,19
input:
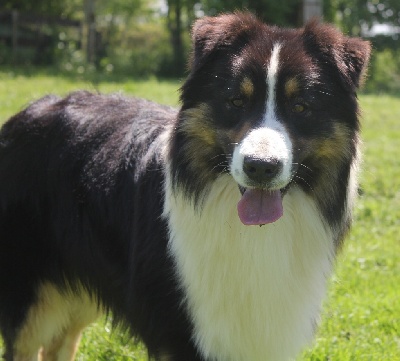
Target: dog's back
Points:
x,y
73,195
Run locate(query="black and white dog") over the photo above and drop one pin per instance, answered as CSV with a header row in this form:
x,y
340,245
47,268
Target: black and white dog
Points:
x,y
116,204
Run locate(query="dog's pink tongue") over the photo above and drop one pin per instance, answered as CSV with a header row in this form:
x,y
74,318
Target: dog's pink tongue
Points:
x,y
259,207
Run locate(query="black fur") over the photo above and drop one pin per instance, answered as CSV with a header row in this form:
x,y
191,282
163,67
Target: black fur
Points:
x,y
81,201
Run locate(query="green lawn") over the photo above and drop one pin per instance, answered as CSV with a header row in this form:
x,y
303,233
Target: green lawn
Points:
x,y
361,319
18,88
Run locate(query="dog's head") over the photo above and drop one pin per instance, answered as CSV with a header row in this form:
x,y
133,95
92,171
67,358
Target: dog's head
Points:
x,y
269,106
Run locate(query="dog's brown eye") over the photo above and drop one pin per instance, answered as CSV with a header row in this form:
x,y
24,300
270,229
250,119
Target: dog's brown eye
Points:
x,y
298,108
238,102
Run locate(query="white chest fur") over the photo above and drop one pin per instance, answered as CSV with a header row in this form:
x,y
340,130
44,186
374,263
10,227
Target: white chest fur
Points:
x,y
254,293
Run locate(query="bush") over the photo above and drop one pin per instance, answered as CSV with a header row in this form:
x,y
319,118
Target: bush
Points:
x,y
145,51
384,71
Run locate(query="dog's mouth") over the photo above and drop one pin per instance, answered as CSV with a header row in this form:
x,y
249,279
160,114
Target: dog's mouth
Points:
x,y
260,206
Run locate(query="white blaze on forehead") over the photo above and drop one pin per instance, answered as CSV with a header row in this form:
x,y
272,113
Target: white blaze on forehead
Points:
x,y
272,74
274,131
270,140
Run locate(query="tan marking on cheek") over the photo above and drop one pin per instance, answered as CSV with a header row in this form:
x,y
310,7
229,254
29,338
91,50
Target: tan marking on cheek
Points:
x,y
165,357
337,146
196,124
330,155
247,87
291,87
202,139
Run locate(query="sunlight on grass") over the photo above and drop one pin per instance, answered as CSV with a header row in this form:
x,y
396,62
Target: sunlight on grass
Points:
x,y
18,89
361,318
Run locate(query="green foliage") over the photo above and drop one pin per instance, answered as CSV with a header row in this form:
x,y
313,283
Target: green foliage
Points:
x,y
352,15
145,51
65,8
274,12
123,8
69,57
384,72
136,39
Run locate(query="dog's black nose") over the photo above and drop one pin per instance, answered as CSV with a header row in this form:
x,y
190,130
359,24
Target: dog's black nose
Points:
x,y
261,170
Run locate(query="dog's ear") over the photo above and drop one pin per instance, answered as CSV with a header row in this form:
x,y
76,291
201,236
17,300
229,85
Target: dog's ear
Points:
x,y
214,33
348,55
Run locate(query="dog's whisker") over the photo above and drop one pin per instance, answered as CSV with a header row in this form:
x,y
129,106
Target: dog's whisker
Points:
x,y
303,181
303,165
221,155
220,165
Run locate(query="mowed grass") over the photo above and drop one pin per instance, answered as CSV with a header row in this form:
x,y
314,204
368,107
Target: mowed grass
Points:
x,y
361,318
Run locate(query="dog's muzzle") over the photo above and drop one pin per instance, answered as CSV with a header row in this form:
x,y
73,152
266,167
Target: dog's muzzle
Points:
x,y
261,165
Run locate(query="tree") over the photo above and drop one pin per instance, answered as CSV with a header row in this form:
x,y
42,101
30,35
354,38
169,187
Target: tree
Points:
x,y
66,8
272,11
90,21
180,13
353,15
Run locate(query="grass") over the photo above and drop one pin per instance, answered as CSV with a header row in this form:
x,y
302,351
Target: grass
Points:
x,y
361,318
18,88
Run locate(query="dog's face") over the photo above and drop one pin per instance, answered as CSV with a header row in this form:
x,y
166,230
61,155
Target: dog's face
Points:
x,y
270,106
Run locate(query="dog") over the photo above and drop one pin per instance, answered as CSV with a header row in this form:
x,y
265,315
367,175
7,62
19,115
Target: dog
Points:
x,y
209,231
